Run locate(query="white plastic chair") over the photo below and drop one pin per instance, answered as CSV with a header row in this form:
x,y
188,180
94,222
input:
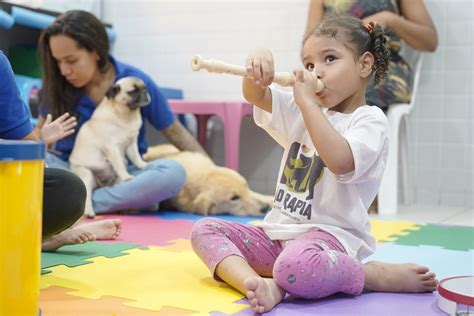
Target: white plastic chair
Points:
x,y
398,138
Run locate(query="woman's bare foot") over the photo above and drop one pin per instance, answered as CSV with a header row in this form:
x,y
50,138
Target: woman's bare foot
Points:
x,y
66,237
81,233
406,277
102,230
263,293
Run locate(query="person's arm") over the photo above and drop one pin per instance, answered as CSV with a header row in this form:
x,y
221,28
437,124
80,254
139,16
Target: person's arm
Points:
x,y
159,114
415,27
315,14
32,136
14,115
182,139
256,95
260,68
332,147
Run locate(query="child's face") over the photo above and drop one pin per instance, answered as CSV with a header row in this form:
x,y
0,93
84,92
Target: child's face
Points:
x,y
339,71
77,65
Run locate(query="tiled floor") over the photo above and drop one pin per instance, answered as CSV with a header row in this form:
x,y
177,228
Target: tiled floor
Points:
x,y
433,215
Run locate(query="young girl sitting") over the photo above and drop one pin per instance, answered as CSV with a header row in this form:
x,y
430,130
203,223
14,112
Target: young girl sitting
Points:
x,y
313,240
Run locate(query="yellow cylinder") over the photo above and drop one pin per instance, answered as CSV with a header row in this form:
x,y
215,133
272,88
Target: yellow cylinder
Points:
x,y
21,202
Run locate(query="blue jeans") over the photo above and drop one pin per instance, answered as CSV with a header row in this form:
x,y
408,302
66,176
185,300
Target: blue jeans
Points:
x,y
160,180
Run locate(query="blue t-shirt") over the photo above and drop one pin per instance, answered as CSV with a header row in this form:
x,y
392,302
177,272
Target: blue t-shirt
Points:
x,y
14,114
158,112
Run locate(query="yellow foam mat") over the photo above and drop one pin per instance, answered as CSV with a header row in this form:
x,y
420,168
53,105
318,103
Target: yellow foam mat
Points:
x,y
178,245
151,279
385,230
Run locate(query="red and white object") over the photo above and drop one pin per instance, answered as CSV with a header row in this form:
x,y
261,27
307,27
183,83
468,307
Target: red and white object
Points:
x,y
456,295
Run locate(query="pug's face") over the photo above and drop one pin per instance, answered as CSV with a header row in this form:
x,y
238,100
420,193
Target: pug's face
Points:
x,y
129,91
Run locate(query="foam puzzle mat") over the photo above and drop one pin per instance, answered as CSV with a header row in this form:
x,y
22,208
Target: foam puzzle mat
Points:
x,y
151,269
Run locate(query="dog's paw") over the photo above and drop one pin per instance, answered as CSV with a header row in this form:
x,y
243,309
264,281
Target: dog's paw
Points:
x,y
89,213
126,177
142,165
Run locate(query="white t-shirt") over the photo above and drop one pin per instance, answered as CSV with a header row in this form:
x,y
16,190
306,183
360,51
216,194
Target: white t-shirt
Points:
x,y
308,195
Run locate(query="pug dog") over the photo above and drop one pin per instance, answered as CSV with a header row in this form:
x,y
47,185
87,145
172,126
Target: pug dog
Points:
x,y
109,137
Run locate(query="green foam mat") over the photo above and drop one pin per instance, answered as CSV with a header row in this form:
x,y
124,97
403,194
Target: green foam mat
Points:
x,y
76,255
448,237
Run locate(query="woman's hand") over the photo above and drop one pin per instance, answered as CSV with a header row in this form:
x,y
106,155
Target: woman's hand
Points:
x,y
305,87
383,18
260,66
61,127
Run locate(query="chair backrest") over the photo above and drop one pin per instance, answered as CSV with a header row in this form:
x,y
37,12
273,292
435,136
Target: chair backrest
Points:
x,y
26,85
415,59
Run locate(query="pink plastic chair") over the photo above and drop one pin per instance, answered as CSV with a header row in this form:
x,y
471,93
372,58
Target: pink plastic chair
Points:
x,y
231,114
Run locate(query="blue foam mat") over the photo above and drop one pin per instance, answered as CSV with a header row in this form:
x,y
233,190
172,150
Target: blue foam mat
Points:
x,y
173,215
443,262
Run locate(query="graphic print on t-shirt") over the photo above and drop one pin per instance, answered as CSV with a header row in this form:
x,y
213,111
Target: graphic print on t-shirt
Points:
x,y
303,169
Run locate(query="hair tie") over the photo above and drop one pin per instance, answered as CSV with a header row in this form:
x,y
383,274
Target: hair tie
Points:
x,y
370,26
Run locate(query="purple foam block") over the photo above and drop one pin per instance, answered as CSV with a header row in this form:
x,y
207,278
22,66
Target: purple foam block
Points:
x,y
386,304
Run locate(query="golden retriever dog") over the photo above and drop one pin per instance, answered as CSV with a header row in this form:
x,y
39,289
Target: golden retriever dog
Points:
x,y
104,141
210,189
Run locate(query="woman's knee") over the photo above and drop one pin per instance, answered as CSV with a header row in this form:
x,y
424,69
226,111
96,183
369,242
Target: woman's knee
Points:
x,y
172,172
64,199
76,193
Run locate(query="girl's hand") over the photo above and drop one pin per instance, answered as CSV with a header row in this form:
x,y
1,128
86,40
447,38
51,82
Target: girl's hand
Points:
x,y
260,66
62,127
305,87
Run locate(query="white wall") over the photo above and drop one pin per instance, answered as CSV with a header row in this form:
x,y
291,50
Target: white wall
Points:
x,y
442,125
161,36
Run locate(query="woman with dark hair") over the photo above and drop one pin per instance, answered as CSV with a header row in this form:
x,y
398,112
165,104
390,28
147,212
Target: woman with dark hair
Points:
x,y
78,70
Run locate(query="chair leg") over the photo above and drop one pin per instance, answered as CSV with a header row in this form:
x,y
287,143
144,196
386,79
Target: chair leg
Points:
x,y
232,123
404,155
202,129
388,192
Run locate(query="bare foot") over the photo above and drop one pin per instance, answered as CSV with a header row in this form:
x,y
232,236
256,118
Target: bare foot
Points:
x,y
69,236
106,229
263,294
406,277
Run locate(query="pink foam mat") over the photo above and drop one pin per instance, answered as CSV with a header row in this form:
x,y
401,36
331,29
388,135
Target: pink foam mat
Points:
x,y
150,230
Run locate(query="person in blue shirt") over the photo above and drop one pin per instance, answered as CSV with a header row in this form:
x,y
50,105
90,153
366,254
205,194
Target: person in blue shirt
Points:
x,y
63,192
78,70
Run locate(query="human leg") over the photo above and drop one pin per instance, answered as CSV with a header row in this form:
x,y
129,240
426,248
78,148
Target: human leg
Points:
x,y
63,200
239,255
160,180
53,161
63,205
406,277
315,265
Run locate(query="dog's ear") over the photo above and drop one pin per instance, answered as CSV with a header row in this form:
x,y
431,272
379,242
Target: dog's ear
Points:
x,y
202,203
113,91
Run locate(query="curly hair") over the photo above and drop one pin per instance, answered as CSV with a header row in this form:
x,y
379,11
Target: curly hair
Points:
x,y
358,38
